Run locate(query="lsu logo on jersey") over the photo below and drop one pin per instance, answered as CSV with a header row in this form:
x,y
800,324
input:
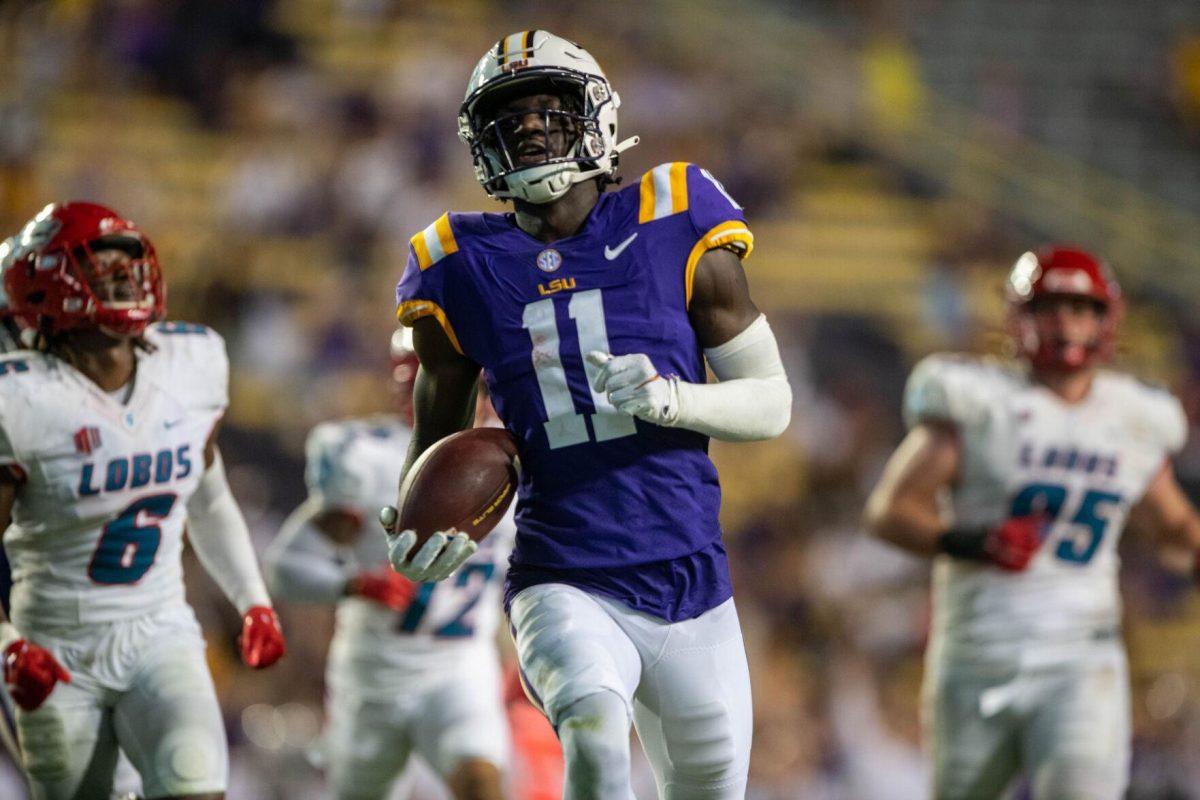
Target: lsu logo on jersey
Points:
x,y
556,285
136,471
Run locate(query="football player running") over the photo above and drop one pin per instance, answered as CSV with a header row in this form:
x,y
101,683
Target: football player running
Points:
x,y
1043,461
107,447
412,667
592,315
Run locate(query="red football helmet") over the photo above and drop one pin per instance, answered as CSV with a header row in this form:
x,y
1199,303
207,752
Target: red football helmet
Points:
x,y
55,281
1058,271
404,371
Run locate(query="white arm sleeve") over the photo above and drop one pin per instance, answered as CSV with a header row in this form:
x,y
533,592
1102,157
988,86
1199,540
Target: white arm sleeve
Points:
x,y
302,563
221,540
752,400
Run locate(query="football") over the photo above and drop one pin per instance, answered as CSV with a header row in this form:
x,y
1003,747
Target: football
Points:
x,y
466,481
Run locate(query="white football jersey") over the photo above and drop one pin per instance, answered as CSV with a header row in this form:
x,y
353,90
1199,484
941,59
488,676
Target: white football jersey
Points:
x,y
354,465
1025,450
98,523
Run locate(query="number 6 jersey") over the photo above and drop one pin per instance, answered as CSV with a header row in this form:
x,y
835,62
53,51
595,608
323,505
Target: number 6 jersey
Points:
x,y
97,527
612,504
1025,450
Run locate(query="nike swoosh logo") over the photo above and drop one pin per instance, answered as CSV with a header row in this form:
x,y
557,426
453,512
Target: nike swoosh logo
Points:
x,y
612,252
168,424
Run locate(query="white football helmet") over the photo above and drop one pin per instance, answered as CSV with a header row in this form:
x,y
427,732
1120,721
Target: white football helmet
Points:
x,y
536,62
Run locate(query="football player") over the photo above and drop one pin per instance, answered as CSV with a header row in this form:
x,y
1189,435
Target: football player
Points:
x,y
592,314
107,447
412,668
1042,461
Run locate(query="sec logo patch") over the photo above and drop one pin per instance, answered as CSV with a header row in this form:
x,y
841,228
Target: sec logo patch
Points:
x,y
549,260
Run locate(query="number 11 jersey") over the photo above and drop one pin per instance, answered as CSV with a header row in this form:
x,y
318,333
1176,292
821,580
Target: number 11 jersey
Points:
x,y
608,503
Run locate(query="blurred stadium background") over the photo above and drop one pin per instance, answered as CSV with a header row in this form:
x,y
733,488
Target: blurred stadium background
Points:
x,y
894,158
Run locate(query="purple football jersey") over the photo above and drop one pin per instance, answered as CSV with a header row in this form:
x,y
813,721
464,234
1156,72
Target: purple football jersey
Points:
x,y
611,504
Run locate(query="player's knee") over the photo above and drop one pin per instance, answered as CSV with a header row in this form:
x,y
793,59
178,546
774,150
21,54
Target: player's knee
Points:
x,y
185,758
703,748
594,733
476,779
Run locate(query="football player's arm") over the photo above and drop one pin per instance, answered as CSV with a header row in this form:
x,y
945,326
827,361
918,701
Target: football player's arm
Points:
x,y
443,403
30,672
752,399
302,563
444,392
904,507
1167,513
221,539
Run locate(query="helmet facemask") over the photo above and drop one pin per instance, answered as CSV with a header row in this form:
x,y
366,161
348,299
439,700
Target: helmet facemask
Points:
x,y
1048,349
573,140
124,280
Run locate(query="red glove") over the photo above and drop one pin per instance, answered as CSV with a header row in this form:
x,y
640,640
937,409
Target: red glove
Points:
x,y
261,640
1010,546
1013,545
384,586
31,672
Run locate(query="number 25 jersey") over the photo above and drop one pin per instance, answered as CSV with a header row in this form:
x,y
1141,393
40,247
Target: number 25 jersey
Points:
x,y
613,504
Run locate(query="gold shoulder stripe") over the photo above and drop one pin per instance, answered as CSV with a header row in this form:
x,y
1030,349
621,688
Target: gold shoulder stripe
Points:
x,y
421,251
677,177
435,242
663,192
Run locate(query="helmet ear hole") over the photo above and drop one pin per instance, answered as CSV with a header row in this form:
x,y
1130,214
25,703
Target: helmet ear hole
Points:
x,y
35,298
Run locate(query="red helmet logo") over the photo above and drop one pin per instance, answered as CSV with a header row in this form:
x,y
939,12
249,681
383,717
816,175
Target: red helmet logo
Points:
x,y
1062,271
56,281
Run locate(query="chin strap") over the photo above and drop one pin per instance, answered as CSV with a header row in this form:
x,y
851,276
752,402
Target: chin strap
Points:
x,y
574,177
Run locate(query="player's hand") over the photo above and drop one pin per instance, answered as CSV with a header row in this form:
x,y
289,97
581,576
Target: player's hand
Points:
x,y
442,553
1014,543
634,387
31,673
1010,545
262,639
383,585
